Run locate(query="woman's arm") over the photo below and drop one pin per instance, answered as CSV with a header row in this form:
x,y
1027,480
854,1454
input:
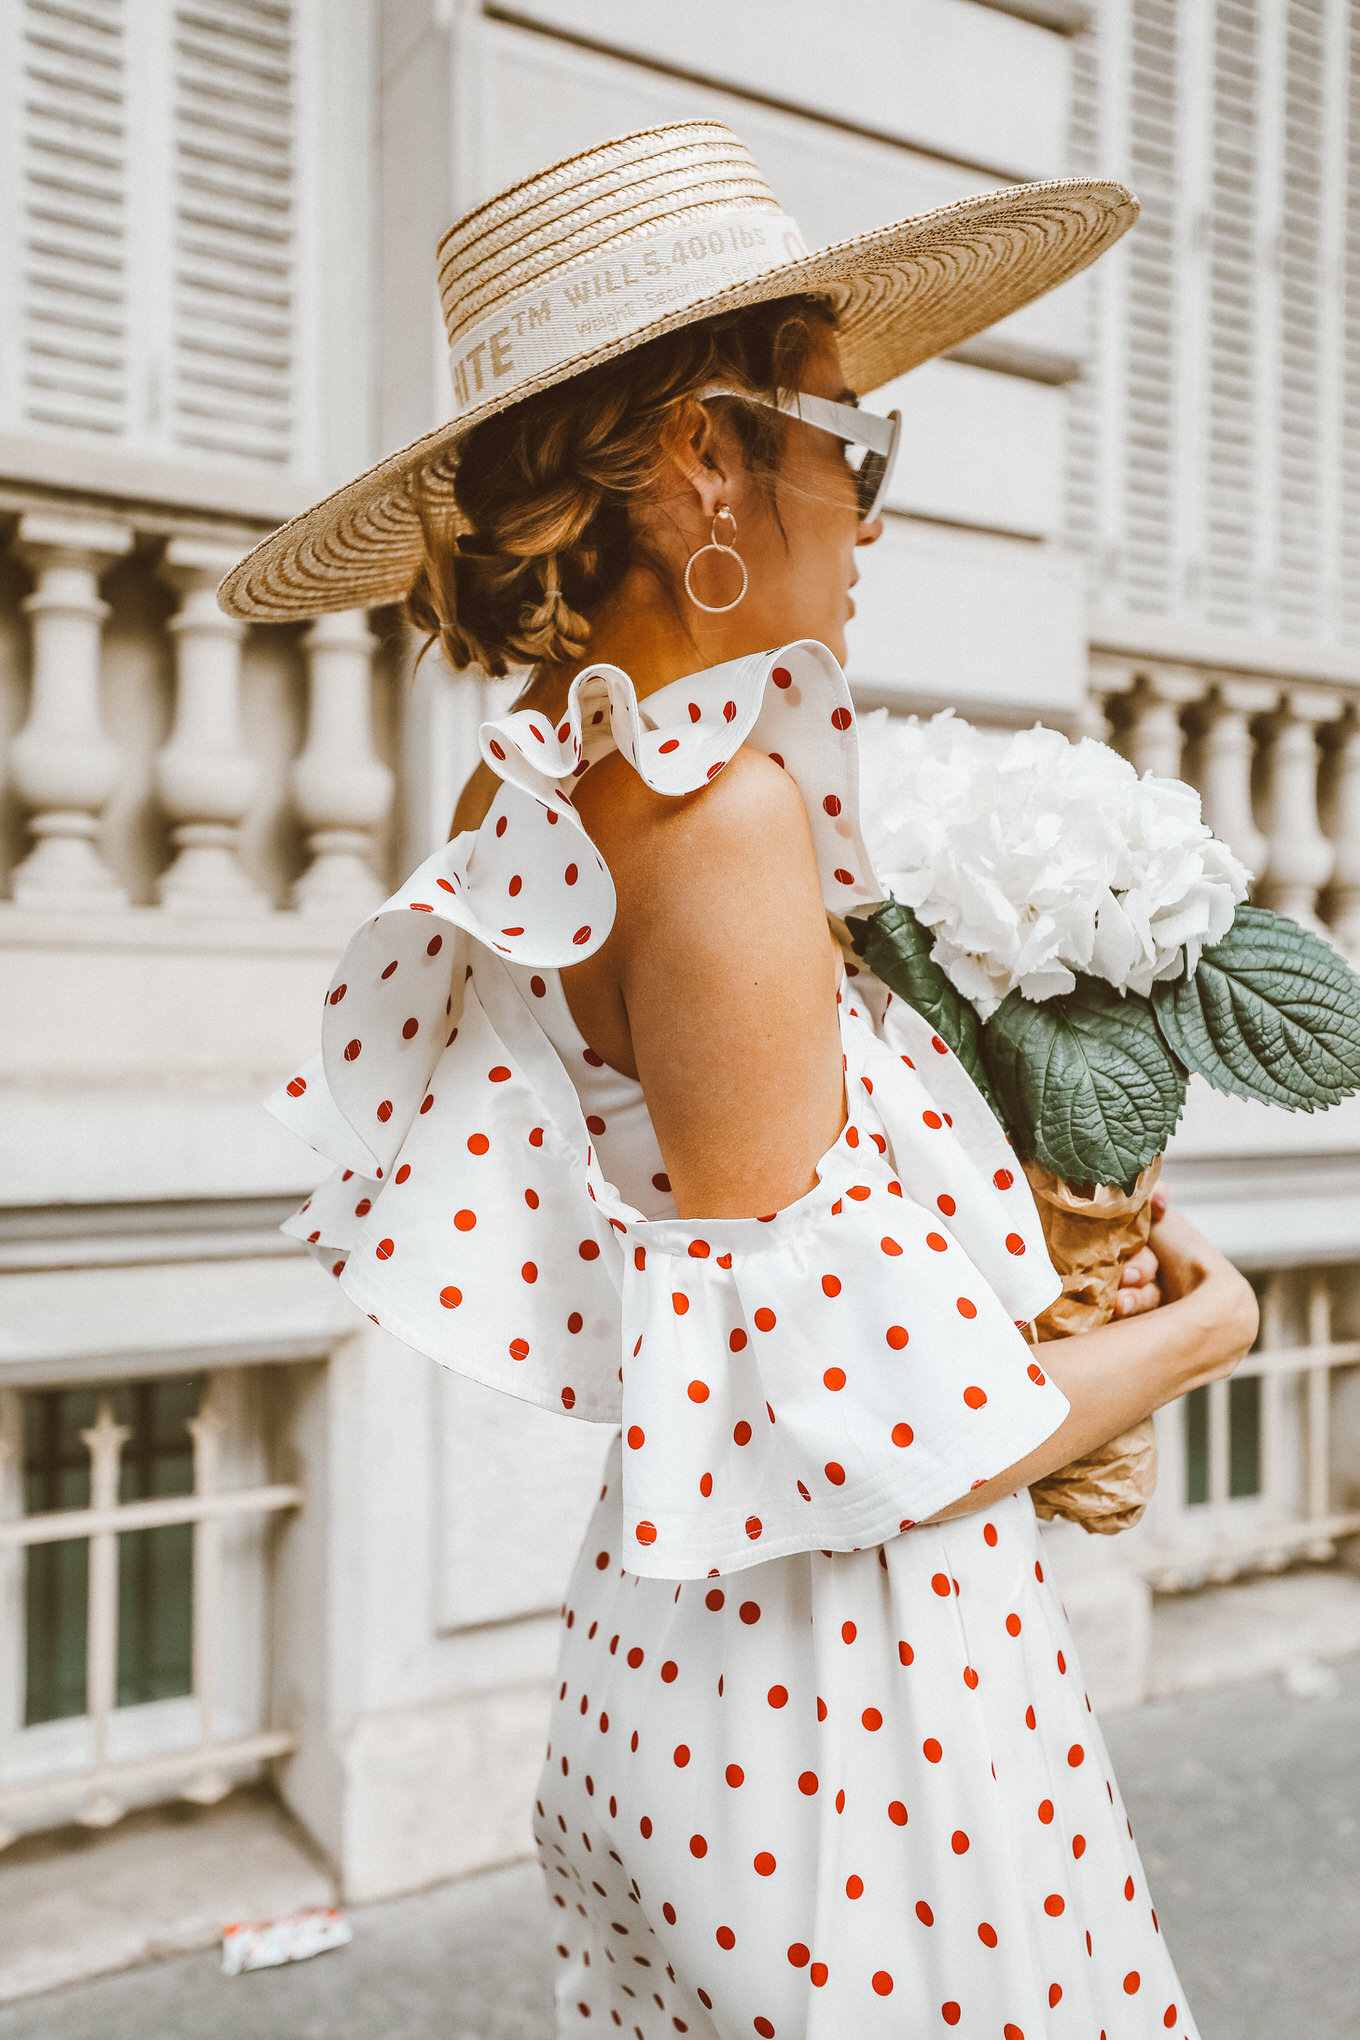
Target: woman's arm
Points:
x,y
1117,1375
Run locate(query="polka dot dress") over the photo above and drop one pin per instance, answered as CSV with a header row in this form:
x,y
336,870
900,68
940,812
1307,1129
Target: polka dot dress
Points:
x,y
814,1771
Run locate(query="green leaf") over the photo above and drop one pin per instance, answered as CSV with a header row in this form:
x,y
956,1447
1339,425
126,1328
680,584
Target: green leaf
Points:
x,y
897,949
1085,1081
1272,1013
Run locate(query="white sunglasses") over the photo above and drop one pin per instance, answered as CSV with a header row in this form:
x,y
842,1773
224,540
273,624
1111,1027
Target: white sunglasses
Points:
x,y
874,435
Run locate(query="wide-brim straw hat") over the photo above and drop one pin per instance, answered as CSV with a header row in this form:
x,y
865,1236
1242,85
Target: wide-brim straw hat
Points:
x,y
634,238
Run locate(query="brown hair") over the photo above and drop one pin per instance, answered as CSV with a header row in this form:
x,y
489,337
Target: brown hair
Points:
x,y
545,486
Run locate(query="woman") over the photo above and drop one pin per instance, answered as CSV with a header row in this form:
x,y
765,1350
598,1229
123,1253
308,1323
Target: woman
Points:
x,y
640,1140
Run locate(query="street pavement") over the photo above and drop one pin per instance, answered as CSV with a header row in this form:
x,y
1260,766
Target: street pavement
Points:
x,y
1245,1801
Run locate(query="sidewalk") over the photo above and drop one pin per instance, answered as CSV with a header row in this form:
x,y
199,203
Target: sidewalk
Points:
x,y
1246,1803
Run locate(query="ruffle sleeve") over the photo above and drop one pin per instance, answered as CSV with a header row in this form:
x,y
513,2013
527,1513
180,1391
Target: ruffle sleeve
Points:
x,y
821,1378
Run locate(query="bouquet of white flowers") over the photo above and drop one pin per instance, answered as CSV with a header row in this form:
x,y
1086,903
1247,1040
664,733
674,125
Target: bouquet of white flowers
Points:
x,y
1082,940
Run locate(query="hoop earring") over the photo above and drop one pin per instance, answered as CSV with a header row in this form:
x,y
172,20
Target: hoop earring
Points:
x,y
718,545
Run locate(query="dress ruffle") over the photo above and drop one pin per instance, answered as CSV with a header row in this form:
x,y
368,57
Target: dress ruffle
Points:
x,y
820,1378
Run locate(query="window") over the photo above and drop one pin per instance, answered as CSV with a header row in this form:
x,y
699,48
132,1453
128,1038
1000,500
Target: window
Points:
x,y
155,1566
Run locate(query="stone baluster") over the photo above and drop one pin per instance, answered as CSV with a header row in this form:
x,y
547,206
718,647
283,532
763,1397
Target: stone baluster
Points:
x,y
1149,722
204,774
341,787
1219,763
1299,858
1341,817
63,763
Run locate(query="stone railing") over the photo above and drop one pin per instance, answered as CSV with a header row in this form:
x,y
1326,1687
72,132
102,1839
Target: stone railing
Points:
x,y
1277,764
243,774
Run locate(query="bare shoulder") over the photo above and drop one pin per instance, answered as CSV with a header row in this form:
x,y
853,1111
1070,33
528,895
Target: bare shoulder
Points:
x,y
747,824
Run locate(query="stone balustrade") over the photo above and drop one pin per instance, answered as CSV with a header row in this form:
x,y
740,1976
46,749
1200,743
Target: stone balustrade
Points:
x,y
1276,762
167,755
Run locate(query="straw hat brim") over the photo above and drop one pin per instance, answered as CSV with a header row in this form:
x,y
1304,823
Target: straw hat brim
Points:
x,y
902,295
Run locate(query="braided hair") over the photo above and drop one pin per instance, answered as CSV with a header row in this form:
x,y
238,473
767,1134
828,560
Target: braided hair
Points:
x,y
543,489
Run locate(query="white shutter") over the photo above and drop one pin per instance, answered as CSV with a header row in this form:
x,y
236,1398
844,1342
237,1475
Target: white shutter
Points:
x,y
1148,552
70,243
235,229
1233,489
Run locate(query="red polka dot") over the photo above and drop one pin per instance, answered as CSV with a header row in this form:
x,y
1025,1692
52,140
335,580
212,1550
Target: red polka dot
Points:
x,y
807,1783
575,1321
975,1397
931,1750
897,1337
883,1983
849,1632
519,1349
680,1755
384,1250
958,1842
834,1377
741,1432
1012,1625
950,2012
897,1813
749,1611
705,1485
1009,2032
818,1974
450,1297
353,1049
764,1319
737,1340
946,1204
940,1582
872,1719
902,1434
1014,1243
478,1143
753,1527
854,1887
763,2026
831,1285
1076,1755
402,1173
1132,1982
765,1864
1003,1179
924,1914
465,1220
1054,1994
679,1302
782,677
1079,1850
697,1391
987,1935
832,804
500,1075
1054,1906
970,1678
834,1472
735,1775
698,1846
1036,1374
1046,1811
989,1533
937,1241
636,1436
725,1938
932,1119
529,1271
646,1533
967,1308
1169,2016
890,1247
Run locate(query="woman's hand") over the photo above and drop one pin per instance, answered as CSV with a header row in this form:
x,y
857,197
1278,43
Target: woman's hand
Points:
x,y
1138,1285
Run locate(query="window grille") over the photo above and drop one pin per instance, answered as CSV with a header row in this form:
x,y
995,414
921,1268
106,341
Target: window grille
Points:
x,y
1258,1470
119,1544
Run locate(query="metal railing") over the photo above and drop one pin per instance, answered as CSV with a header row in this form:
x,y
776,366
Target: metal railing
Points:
x,y
95,1793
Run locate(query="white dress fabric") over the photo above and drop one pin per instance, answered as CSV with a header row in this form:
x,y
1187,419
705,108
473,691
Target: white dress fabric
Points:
x,y
814,1772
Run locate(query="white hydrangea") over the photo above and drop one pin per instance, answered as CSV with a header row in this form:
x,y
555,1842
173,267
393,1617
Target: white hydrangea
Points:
x,y
1032,857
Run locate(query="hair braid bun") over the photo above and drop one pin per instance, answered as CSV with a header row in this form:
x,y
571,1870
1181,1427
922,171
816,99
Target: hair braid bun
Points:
x,y
543,488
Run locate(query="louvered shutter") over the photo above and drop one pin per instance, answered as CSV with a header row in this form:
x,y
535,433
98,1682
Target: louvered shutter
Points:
x,y
234,235
1232,387
70,226
158,251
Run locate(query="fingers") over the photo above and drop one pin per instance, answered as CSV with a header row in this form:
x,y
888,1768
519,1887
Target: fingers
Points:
x,y
1158,1201
1139,1268
1129,1302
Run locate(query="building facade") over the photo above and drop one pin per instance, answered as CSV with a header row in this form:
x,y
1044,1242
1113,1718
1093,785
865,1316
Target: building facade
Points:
x,y
239,1529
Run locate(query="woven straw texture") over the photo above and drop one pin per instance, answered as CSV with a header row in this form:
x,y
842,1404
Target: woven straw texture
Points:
x,y
902,294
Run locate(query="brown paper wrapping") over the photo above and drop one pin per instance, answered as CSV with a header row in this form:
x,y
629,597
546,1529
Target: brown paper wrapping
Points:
x,y
1091,1230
